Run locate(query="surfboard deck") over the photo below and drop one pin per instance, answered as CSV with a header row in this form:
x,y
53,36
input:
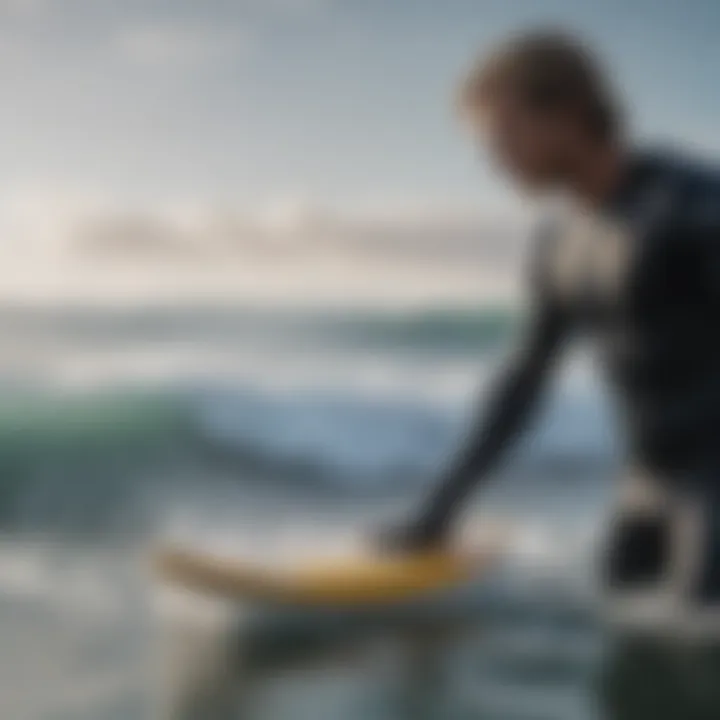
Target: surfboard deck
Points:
x,y
354,582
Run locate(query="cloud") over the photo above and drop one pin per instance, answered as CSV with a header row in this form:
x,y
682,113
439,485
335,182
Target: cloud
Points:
x,y
172,43
22,7
223,235
203,32
216,7
295,6
289,7
61,246
36,218
50,225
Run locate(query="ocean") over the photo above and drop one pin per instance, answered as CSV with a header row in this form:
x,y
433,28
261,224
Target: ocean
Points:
x,y
281,432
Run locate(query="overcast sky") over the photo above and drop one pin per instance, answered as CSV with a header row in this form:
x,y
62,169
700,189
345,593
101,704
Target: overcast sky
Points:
x,y
329,101
169,119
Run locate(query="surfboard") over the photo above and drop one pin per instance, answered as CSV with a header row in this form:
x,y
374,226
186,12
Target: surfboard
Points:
x,y
353,582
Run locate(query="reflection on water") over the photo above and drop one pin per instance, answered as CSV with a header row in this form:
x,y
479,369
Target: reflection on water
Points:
x,y
480,656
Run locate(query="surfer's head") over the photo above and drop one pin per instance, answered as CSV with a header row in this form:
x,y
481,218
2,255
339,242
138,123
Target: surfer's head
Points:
x,y
539,102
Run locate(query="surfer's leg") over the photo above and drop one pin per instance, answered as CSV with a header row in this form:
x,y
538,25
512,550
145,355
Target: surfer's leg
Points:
x,y
638,553
648,679
637,680
638,683
638,550
675,677
704,585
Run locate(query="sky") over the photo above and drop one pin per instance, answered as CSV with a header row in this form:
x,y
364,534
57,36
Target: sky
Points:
x,y
291,111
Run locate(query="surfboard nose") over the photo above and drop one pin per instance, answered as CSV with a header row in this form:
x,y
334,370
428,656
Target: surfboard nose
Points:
x,y
355,581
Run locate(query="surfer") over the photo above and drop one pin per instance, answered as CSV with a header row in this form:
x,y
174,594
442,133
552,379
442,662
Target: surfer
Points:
x,y
630,256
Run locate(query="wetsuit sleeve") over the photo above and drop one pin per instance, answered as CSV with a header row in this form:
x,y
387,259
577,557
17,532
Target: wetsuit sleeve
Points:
x,y
506,411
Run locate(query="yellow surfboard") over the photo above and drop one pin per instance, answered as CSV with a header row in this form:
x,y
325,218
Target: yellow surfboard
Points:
x,y
380,580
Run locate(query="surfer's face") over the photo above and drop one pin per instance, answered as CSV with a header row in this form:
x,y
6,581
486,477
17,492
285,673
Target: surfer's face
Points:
x,y
530,145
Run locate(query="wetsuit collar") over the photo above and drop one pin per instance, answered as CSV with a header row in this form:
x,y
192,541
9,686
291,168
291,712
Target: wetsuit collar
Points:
x,y
638,166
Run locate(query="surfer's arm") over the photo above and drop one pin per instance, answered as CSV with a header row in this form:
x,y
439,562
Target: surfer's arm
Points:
x,y
504,415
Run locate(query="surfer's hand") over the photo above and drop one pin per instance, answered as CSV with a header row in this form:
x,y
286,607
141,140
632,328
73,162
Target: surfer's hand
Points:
x,y
413,537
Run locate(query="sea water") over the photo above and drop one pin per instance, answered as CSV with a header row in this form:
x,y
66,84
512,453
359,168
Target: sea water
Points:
x,y
280,432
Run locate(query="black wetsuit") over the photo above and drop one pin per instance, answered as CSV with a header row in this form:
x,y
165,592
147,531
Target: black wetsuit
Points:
x,y
642,279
